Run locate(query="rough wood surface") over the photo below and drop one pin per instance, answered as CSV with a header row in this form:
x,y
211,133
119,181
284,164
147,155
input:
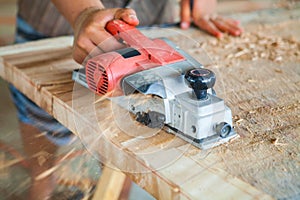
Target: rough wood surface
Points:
x,y
259,79
110,184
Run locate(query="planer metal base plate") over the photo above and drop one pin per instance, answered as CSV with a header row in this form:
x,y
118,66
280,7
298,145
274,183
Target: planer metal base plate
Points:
x,y
205,143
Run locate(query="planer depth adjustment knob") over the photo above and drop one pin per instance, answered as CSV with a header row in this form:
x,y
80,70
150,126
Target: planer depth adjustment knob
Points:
x,y
200,79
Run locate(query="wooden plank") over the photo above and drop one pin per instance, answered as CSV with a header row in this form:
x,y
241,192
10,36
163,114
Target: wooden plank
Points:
x,y
262,92
110,184
111,150
34,70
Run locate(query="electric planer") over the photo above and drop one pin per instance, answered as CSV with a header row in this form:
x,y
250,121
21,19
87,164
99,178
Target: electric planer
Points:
x,y
183,101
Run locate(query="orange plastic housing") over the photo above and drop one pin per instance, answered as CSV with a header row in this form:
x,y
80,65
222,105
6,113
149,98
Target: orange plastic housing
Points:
x,y
105,71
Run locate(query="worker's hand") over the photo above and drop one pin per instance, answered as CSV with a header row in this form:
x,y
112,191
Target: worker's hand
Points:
x,y
90,35
203,15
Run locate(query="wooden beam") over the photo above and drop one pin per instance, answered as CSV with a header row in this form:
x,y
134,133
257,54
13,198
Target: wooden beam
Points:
x,y
58,96
110,184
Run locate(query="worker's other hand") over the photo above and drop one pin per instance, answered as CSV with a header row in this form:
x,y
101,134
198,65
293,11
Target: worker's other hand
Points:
x,y
203,15
90,36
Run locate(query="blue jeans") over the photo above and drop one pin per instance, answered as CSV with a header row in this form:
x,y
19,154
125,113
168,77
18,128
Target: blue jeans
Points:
x,y
28,111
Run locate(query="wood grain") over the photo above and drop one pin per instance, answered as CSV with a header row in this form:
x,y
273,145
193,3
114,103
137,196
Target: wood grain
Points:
x,y
110,185
57,98
262,91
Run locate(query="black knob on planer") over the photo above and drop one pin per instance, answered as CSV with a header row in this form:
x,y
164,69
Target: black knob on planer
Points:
x,y
200,80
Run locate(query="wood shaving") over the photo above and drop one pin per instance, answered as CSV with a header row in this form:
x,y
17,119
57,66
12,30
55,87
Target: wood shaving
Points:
x,y
253,46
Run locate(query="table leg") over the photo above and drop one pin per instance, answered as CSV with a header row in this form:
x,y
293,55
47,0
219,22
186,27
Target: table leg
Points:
x,y
110,184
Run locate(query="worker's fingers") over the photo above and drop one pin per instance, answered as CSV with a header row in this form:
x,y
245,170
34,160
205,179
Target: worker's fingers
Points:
x,y
101,38
234,24
128,15
185,14
224,26
107,42
205,24
232,21
98,34
79,55
83,48
91,37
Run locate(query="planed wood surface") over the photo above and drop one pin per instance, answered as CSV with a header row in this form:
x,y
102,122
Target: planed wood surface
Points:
x,y
258,76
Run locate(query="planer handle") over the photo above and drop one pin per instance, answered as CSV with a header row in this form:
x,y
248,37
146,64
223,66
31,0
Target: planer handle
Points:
x,y
129,34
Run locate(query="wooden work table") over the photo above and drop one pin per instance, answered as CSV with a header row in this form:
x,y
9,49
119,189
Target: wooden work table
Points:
x,y
258,76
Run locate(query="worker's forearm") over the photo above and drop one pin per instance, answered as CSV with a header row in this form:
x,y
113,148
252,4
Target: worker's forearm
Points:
x,y
70,9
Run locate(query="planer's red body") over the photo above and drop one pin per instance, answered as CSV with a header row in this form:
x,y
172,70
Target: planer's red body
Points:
x,y
105,71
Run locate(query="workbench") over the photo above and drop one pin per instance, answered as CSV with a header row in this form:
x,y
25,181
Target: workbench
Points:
x,y
258,76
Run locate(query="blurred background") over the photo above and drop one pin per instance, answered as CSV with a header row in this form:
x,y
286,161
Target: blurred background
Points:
x,y
8,11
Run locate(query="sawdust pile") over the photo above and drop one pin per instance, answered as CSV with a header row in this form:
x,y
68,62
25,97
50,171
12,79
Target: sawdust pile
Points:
x,y
252,46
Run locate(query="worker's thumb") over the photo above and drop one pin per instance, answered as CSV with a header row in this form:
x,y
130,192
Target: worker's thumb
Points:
x,y
185,14
128,15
